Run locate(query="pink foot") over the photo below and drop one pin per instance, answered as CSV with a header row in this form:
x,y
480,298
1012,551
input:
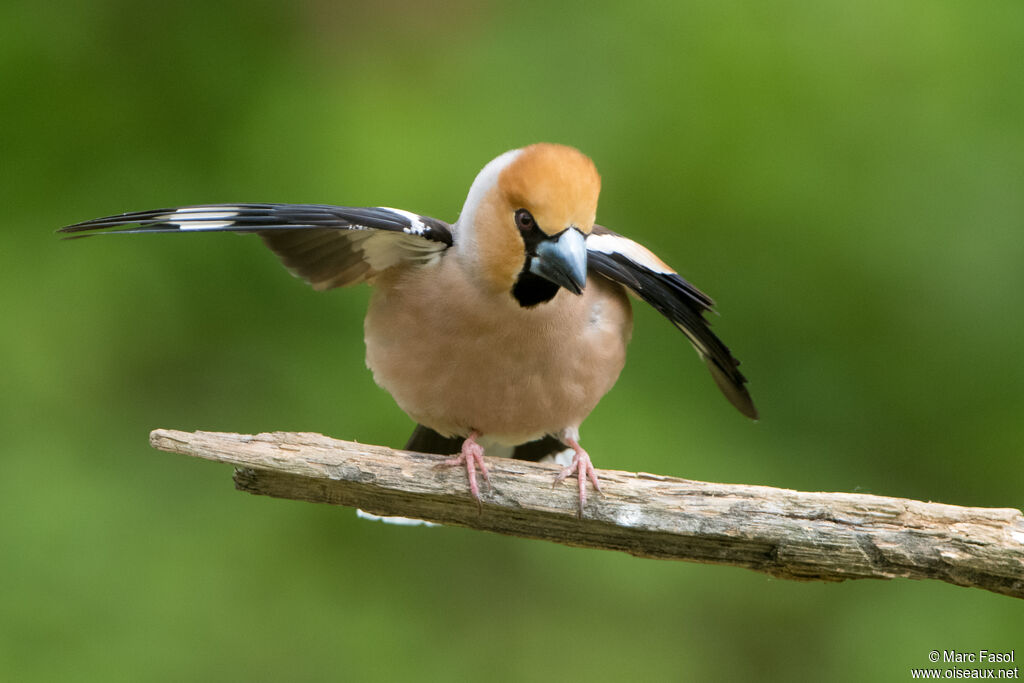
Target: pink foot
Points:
x,y
471,457
582,468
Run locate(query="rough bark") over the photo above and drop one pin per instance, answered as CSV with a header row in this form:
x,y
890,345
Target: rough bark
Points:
x,y
787,534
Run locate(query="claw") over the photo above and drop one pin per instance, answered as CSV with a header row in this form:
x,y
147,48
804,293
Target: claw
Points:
x,y
583,469
471,457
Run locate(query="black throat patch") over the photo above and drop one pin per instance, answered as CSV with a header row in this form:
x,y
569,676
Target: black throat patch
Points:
x,y
531,289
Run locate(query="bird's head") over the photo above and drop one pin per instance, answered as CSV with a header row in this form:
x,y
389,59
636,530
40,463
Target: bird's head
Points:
x,y
524,225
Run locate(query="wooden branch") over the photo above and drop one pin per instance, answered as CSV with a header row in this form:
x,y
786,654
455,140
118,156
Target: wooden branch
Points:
x,y
787,534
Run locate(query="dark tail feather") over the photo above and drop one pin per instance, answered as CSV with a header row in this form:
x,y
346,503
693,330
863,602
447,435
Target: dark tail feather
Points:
x,y
426,440
535,450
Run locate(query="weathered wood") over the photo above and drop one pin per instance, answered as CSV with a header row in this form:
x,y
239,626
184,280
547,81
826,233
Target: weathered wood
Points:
x,y
787,534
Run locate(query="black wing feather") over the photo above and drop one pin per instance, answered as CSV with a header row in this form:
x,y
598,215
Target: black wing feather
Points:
x,y
324,244
258,217
684,305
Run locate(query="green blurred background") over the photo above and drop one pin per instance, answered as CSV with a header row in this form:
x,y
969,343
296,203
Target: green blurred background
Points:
x,y
844,178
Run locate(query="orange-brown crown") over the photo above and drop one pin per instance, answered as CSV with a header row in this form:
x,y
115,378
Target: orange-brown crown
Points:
x,y
559,185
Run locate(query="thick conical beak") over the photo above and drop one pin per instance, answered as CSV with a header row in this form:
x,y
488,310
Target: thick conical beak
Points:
x,y
563,260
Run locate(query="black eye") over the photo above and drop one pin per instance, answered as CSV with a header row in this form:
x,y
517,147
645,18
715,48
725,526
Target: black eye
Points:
x,y
524,221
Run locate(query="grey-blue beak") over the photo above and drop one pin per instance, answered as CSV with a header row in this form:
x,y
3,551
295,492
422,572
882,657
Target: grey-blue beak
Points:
x,y
563,260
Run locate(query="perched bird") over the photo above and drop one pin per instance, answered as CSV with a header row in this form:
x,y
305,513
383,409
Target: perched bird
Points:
x,y
498,333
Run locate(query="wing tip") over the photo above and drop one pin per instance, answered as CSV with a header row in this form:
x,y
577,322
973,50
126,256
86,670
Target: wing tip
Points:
x,y
732,388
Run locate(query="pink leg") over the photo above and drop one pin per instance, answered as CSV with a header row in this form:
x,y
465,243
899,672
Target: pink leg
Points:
x,y
471,457
581,467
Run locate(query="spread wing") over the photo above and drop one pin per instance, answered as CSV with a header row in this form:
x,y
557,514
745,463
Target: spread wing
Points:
x,y
635,267
328,246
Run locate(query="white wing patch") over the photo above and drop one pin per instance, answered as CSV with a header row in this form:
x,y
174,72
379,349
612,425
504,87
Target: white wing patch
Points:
x,y
635,252
201,217
416,226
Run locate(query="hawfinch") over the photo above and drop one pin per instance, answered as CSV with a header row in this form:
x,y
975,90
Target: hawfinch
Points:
x,y
500,332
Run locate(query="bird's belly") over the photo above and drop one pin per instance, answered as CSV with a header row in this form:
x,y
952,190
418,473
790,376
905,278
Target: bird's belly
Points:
x,y
512,374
